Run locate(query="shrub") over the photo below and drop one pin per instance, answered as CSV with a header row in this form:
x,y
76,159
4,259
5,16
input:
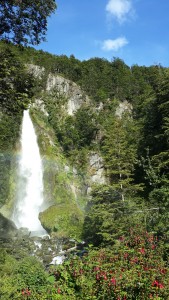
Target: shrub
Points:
x,y
134,268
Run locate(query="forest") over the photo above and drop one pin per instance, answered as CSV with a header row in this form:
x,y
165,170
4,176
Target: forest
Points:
x,y
125,220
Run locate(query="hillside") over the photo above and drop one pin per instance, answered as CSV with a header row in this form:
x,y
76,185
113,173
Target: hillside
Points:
x,y
125,149
103,134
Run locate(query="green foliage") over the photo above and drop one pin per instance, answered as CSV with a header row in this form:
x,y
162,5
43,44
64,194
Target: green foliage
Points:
x,y
15,83
74,133
78,131
9,133
35,275
63,220
22,279
25,22
122,79
134,268
107,215
119,151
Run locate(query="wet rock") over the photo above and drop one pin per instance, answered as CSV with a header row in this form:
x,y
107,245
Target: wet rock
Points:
x,y
23,232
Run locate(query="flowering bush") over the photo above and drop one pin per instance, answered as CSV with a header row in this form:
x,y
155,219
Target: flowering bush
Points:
x,y
135,267
132,269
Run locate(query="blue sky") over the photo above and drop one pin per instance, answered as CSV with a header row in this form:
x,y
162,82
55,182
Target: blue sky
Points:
x,y
133,30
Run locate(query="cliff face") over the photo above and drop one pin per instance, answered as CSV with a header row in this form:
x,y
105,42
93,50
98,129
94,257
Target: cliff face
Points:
x,y
64,87
68,89
60,88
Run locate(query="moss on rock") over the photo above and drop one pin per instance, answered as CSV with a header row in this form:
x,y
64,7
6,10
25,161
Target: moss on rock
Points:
x,y
63,220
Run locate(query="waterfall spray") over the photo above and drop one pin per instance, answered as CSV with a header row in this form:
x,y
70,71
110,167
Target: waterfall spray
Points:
x,y
30,180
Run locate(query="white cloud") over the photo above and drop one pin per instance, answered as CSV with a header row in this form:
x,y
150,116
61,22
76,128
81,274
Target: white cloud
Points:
x,y
119,9
114,45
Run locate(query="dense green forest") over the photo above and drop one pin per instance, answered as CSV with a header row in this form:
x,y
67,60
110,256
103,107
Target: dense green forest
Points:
x,y
125,220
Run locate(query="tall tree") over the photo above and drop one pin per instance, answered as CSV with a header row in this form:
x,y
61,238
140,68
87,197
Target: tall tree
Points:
x,y
121,79
16,84
119,151
25,21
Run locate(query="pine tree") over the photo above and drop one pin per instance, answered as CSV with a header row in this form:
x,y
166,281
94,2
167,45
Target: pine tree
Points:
x,y
119,151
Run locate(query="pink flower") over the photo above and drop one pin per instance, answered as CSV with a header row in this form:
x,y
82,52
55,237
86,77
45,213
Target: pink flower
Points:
x,y
113,280
96,269
125,255
155,283
97,276
158,284
142,251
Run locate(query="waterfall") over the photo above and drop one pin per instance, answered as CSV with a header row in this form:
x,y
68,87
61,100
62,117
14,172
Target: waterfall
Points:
x,y
30,180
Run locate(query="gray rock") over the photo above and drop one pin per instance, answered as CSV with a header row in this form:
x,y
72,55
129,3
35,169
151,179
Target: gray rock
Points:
x,y
96,170
122,108
76,97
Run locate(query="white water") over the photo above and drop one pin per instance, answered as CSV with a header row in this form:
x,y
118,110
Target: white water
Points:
x,y
30,180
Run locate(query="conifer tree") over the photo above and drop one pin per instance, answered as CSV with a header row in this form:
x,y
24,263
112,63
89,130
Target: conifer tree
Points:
x,y
119,151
